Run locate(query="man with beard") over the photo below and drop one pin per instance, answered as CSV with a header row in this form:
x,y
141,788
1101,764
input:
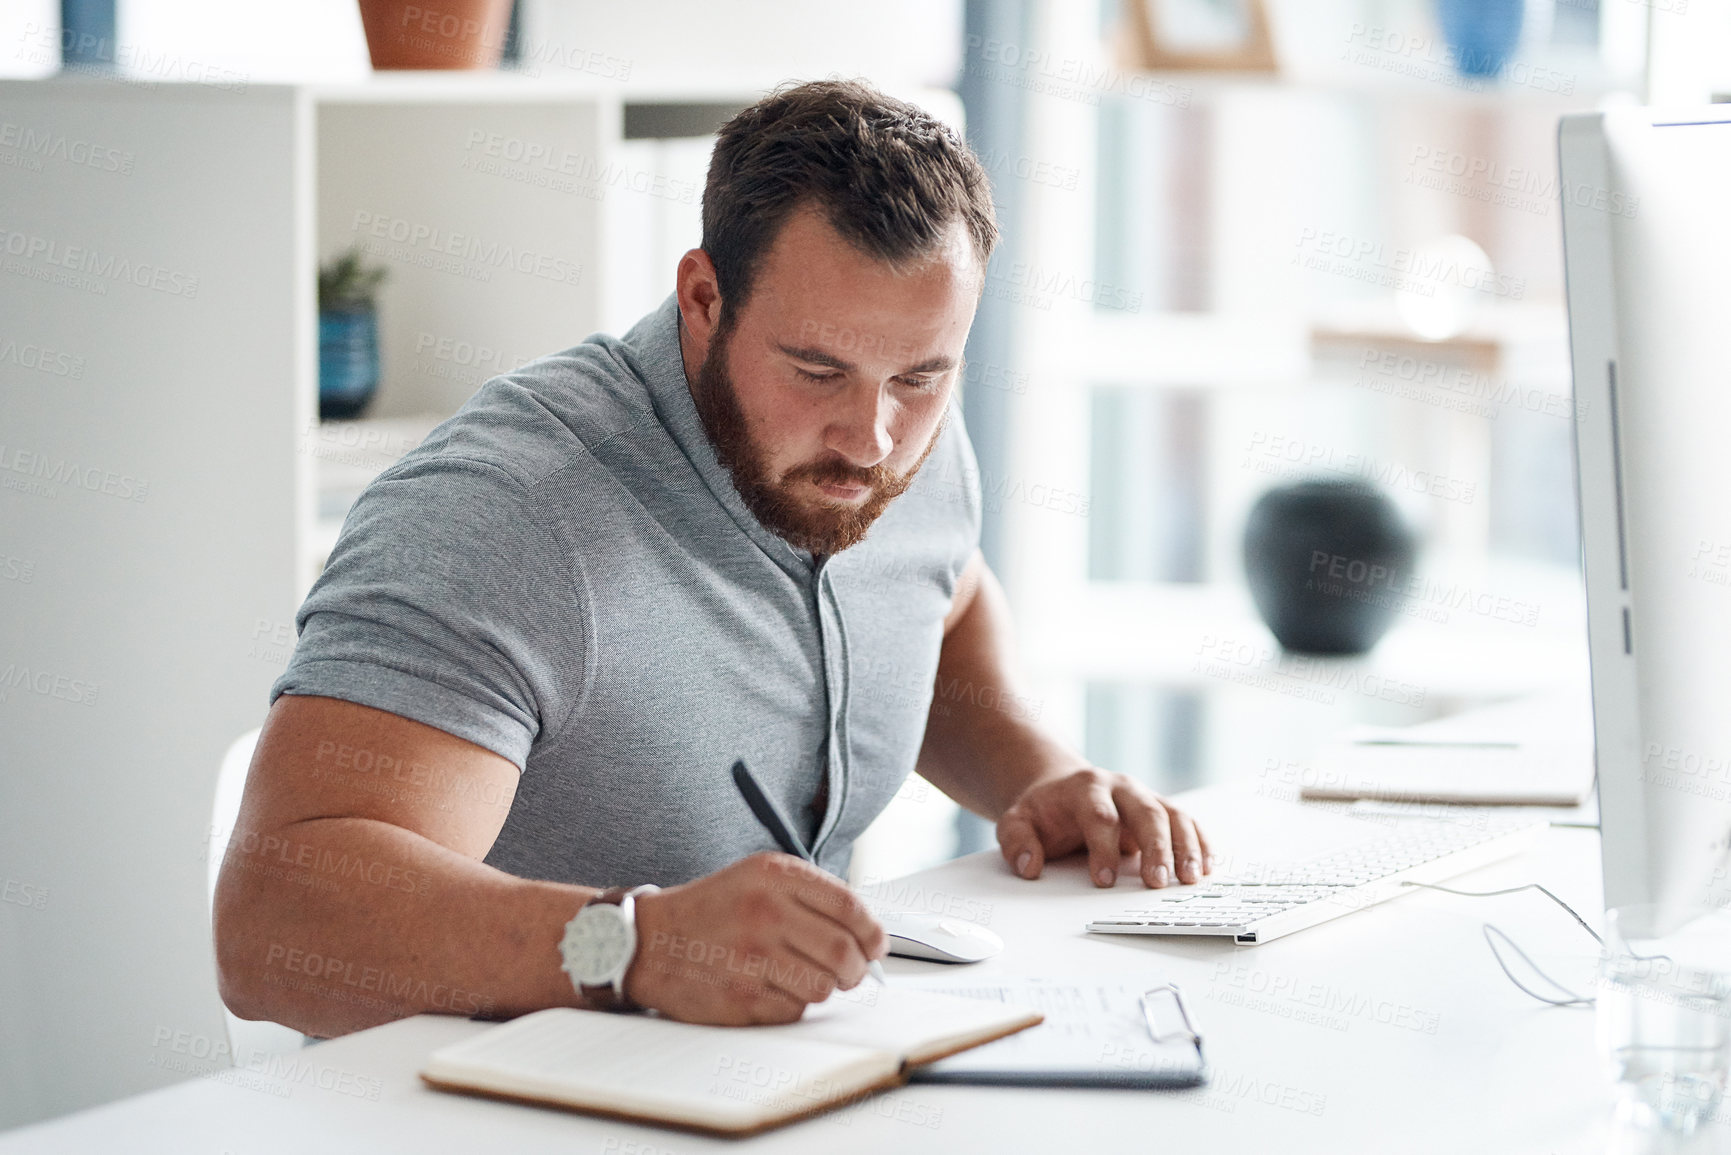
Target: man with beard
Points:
x,y
748,529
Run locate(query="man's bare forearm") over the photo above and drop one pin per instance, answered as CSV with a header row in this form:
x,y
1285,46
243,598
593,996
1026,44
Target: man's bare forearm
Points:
x,y
330,925
983,744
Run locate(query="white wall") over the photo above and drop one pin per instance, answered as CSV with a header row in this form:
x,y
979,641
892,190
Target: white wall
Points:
x,y
757,43
258,41
147,507
29,38
1689,51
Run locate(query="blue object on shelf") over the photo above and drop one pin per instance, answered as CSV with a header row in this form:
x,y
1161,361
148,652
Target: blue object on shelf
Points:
x,y
348,361
87,33
1481,34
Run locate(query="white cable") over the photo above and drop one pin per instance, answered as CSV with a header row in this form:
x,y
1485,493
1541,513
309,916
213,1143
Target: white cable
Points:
x,y
1573,1000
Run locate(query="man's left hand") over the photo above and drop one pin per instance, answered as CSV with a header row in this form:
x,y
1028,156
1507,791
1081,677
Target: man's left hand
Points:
x,y
1112,816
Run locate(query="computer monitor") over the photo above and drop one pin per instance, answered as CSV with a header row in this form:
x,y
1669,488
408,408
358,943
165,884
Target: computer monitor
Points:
x,y
1646,208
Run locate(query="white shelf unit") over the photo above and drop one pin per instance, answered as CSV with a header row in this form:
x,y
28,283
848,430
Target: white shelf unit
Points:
x,y
1268,350
176,293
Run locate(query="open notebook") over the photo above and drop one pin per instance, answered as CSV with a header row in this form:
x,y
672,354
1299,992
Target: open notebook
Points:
x,y
723,1080
1391,766
1530,752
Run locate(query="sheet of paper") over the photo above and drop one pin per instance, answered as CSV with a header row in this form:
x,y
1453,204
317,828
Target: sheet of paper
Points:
x,y
1092,1026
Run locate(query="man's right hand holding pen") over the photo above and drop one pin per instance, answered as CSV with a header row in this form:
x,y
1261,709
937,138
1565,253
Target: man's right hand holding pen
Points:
x,y
755,942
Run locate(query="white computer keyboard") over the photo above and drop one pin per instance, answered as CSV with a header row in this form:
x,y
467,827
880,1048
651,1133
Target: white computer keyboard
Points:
x,y
1280,900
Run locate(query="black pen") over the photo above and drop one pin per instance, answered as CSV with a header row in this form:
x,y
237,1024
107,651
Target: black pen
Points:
x,y
781,830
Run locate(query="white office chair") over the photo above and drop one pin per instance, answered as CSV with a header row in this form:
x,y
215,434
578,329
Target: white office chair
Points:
x,y
246,1039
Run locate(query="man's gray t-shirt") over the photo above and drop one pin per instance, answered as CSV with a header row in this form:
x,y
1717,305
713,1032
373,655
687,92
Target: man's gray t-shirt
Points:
x,y
564,574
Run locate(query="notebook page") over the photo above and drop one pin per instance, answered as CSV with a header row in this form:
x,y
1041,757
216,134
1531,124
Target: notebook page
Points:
x,y
914,1023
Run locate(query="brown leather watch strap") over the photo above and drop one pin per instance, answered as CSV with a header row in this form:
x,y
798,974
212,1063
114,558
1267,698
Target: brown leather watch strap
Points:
x,y
606,996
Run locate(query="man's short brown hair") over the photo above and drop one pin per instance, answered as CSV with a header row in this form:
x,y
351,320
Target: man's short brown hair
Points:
x,y
887,175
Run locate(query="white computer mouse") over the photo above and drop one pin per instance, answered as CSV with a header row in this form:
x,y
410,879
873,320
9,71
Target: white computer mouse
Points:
x,y
940,938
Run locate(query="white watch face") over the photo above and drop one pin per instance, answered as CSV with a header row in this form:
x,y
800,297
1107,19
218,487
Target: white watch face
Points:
x,y
598,945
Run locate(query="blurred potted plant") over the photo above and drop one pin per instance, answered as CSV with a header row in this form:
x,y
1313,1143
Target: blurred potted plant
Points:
x,y
348,334
455,34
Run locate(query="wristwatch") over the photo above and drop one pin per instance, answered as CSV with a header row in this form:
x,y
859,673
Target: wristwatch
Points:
x,y
599,945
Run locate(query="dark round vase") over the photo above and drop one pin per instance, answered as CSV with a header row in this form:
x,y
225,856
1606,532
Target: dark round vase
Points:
x,y
348,361
1329,563
1481,34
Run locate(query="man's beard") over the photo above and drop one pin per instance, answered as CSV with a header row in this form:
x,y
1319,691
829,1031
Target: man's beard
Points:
x,y
820,529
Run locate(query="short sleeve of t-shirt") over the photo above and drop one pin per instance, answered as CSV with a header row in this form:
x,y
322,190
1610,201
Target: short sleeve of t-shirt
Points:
x,y
967,467
447,601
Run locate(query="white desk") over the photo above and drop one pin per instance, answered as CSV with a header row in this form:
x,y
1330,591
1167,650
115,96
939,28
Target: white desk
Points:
x,y
1388,1030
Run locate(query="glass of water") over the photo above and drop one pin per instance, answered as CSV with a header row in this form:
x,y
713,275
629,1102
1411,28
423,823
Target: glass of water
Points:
x,y
1664,1013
